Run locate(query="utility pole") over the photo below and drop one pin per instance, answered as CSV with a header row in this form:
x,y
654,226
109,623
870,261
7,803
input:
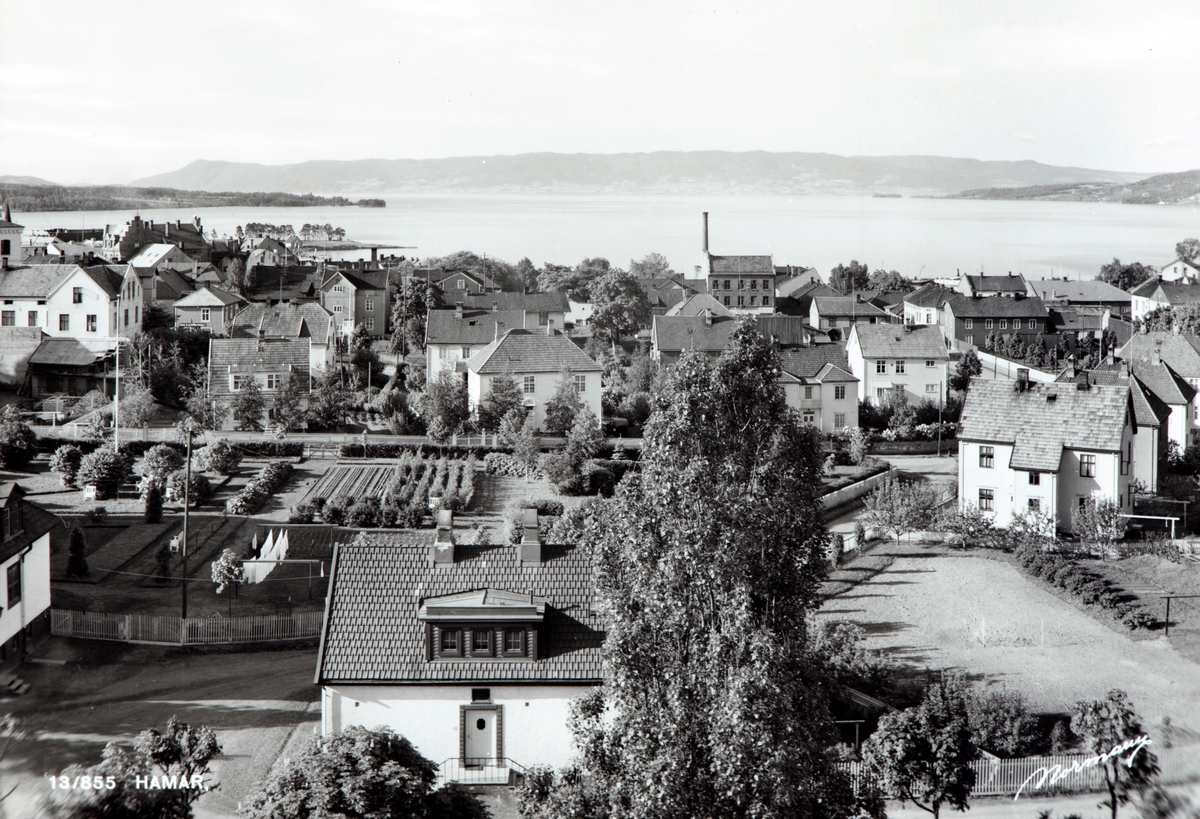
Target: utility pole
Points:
x,y
117,404
187,486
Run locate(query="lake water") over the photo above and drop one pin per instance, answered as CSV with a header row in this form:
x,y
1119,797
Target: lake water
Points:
x,y
918,237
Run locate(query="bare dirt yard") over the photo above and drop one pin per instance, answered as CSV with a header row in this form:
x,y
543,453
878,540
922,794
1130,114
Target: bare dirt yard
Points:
x,y
936,609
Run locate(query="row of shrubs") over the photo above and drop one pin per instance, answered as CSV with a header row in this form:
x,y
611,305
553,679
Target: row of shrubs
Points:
x,y
268,481
272,449
1088,586
596,476
358,513
606,451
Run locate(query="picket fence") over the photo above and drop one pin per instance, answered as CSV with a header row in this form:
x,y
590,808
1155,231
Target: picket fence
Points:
x,y
1005,777
170,629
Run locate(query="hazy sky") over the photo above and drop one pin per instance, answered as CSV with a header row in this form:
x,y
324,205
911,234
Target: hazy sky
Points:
x,y
103,92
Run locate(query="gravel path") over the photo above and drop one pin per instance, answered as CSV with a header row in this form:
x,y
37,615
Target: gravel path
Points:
x,y
936,611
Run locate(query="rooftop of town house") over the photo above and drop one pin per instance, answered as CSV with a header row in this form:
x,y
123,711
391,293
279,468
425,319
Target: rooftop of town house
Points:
x,y
528,351
900,341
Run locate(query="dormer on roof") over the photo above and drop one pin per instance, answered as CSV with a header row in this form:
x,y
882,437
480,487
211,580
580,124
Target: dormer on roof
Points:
x,y
484,604
482,624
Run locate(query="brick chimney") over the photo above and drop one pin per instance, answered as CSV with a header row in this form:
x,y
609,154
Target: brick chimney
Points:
x,y
1156,356
441,554
529,550
458,311
706,231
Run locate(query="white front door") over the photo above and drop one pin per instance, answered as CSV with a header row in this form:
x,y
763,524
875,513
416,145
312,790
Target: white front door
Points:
x,y
480,728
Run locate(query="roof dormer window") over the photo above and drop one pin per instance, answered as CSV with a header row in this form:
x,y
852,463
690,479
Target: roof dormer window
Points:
x,y
482,624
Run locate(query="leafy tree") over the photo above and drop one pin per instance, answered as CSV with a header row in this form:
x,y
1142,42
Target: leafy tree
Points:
x,y
620,305
159,462
1108,724
1126,276
181,752
575,282
228,570
207,414
445,406
500,272
923,755
562,407
235,278
1188,250
18,441
511,425
287,403
585,437
718,543
651,266
1001,722
968,522
65,463
527,275
77,565
504,395
1165,319
152,503
249,405
359,773
968,366
1098,522
104,469
330,402
889,280
860,444
854,276
414,299
220,457
365,363
900,508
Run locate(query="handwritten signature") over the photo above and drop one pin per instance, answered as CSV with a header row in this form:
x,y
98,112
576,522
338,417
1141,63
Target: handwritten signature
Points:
x,y
1056,773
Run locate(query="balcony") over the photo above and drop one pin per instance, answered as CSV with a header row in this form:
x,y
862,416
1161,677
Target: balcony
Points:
x,y
484,771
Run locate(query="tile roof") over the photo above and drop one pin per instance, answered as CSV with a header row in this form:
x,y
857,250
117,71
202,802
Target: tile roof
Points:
x,y
1045,416
1174,292
290,320
787,331
673,334
507,302
837,306
900,341
740,265
667,298
70,352
1160,379
109,277
523,351
35,521
806,362
998,284
35,281
930,295
1088,290
208,297
830,374
695,305
1180,351
475,326
372,632
997,307
1036,455
366,279
152,254
250,355
1148,408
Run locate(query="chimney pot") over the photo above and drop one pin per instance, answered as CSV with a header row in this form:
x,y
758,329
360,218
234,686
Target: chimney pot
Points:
x,y
529,550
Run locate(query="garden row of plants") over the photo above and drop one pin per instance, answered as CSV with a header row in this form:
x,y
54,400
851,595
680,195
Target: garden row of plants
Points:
x,y
1084,584
604,450
268,481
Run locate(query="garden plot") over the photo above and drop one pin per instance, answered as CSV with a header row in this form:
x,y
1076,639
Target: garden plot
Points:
x,y
353,481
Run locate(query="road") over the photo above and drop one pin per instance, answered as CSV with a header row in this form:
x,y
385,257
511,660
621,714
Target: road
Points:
x,y
259,703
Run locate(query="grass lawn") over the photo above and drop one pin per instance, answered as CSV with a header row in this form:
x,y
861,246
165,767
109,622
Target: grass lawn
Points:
x,y
937,609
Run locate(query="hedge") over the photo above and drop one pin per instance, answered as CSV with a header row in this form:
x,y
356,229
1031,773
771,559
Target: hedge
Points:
x,y
1088,586
269,479
605,452
49,443
271,449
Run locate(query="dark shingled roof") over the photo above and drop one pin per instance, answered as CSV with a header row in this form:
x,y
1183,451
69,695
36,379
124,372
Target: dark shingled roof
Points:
x,y
372,632
283,320
998,284
1175,292
1092,419
740,266
1148,408
507,302
35,281
475,326
900,341
70,352
838,306
523,351
930,295
807,362
366,279
250,355
997,307
1181,351
35,521
674,334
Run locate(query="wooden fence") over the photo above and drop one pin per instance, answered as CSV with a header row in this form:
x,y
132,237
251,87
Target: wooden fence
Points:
x,y
168,629
1005,777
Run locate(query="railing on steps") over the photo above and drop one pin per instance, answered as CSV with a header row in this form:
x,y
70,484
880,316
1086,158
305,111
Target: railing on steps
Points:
x,y
481,771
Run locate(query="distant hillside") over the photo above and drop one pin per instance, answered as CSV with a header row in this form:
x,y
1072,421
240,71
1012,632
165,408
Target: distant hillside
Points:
x,y
1164,189
24,180
660,172
117,197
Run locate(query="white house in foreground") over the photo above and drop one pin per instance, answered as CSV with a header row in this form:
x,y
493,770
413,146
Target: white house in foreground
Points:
x,y
1045,447
473,653
25,572
538,361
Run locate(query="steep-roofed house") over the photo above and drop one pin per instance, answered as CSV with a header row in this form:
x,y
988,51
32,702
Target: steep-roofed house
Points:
x,y
84,302
151,257
842,312
11,251
696,305
457,283
537,361
25,570
234,362
550,308
970,320
1045,447
798,301
305,321
924,305
981,285
1155,293
473,653
671,335
1086,293
889,360
1180,270
453,336
122,242
209,309
359,297
1180,352
791,279
818,384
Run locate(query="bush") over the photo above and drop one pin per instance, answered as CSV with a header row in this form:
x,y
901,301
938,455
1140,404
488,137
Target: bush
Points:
x,y
77,565
199,491
97,514
65,463
152,504
104,469
18,442
136,449
220,457
273,449
159,462
269,480
50,444
302,513
502,463
364,514
1139,618
601,481
561,471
